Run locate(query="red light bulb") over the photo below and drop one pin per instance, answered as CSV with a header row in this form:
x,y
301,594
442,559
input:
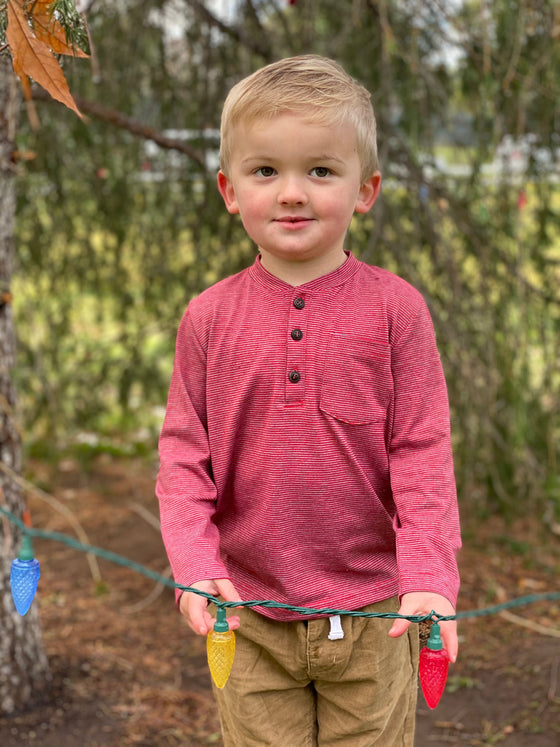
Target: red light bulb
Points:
x,y
434,664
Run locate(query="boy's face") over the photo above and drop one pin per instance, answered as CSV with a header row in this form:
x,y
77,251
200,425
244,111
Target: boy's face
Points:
x,y
296,185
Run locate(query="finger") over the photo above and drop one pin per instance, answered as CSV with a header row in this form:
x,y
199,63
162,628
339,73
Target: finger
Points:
x,y
233,621
227,590
195,610
399,627
450,641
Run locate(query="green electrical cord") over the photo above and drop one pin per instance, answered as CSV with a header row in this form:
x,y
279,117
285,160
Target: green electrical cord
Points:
x,y
154,576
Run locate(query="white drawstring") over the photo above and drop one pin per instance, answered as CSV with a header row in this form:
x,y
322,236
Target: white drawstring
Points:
x,y
336,633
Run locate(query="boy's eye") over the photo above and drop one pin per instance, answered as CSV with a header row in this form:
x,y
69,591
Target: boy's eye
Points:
x,y
320,171
265,171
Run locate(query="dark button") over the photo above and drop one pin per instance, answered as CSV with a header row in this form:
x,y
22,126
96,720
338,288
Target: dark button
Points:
x,y
299,303
294,376
296,334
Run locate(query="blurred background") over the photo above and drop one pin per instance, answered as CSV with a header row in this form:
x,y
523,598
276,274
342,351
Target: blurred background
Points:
x,y
116,233
118,224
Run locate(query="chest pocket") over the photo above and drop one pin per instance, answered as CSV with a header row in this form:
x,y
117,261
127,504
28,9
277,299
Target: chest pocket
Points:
x,y
357,383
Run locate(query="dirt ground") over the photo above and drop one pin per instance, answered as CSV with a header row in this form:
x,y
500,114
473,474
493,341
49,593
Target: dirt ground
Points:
x,y
127,672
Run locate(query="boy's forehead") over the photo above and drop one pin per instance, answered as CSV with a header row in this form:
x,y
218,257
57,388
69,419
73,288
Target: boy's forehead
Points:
x,y
319,123
290,140
258,111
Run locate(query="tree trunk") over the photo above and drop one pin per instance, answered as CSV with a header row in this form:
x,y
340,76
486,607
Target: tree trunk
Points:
x,y
24,671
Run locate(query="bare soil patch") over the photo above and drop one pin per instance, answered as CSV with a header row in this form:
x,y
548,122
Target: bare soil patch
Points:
x,y
127,672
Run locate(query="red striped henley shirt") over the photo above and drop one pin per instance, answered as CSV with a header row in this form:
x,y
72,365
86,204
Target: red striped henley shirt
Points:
x,y
305,453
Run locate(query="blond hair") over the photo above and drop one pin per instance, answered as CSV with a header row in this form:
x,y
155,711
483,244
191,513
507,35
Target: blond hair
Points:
x,y
315,87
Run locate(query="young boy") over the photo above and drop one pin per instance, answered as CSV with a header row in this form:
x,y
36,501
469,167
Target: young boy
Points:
x,y
305,453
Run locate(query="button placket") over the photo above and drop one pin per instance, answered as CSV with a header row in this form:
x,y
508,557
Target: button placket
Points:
x,y
295,350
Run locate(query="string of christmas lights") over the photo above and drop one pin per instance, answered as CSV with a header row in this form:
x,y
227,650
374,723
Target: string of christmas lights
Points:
x,y
434,661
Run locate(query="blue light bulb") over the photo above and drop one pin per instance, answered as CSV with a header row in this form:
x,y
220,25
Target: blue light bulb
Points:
x,y
24,576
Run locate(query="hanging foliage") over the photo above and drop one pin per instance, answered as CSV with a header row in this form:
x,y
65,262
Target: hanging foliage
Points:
x,y
34,34
116,233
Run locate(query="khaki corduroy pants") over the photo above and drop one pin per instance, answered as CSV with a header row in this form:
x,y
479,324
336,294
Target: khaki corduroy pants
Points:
x,y
291,686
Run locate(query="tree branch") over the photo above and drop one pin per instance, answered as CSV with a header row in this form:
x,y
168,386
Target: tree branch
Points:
x,y
262,31
536,627
62,509
255,44
120,120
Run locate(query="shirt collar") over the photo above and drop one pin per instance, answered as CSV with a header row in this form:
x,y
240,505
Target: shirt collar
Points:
x,y
330,280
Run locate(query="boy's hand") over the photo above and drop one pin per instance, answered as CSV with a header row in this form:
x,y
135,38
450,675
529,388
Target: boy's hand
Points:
x,y
194,607
422,603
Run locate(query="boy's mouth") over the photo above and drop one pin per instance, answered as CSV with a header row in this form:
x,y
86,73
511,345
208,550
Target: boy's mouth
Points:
x,y
292,220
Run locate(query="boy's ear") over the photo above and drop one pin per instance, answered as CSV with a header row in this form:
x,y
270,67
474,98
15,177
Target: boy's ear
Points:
x,y
226,190
368,194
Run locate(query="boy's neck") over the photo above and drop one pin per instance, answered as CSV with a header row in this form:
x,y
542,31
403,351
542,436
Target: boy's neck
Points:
x,y
300,273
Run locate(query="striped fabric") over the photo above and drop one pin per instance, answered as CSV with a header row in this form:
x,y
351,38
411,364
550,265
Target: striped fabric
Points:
x,y
305,452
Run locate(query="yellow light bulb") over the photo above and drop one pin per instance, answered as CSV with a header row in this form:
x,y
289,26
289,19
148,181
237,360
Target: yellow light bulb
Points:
x,y
220,648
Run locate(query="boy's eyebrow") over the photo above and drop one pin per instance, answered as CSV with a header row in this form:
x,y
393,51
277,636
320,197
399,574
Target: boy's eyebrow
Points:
x,y
326,157
311,158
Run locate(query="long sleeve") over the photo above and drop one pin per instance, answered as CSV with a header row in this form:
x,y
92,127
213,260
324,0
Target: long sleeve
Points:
x,y
185,488
421,465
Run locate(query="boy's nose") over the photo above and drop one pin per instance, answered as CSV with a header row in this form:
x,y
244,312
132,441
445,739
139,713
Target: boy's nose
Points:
x,y
291,191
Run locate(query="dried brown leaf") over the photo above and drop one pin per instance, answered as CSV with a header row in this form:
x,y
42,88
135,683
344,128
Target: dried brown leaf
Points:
x,y
32,57
49,30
